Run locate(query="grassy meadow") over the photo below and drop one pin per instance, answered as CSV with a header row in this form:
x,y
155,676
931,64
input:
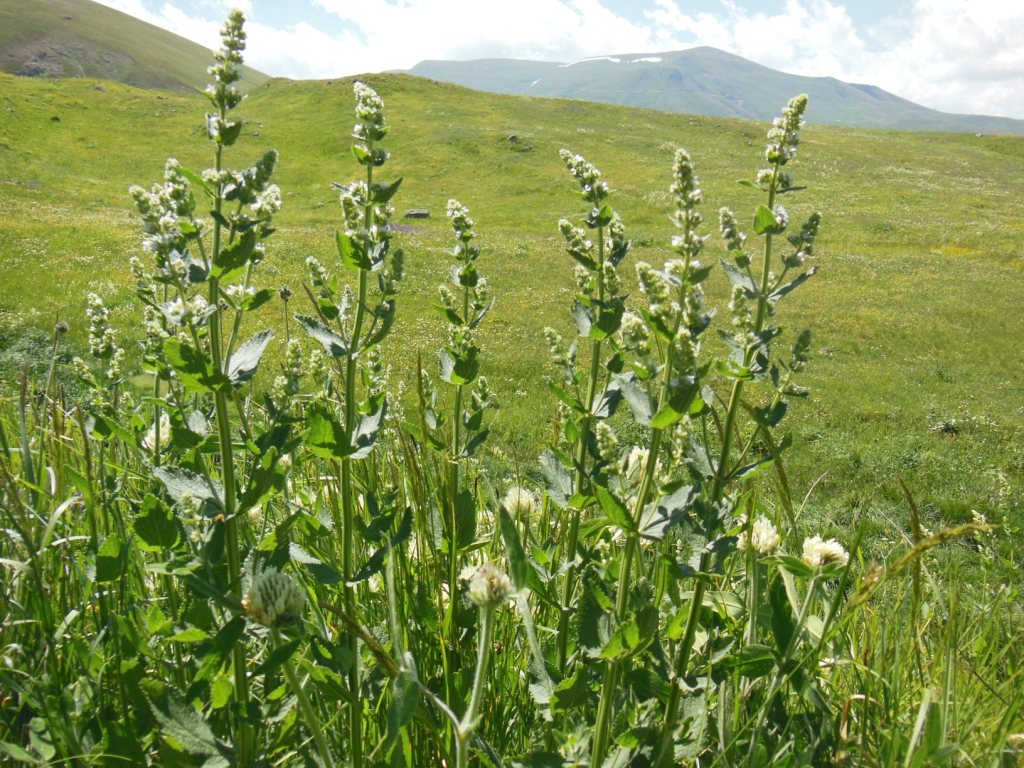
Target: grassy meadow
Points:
x,y
357,562
912,310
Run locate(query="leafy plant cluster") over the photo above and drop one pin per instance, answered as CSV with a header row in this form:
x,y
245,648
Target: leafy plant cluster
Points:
x,y
305,573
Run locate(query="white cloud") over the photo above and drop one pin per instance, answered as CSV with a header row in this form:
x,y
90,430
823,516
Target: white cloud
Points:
x,y
954,55
951,55
399,34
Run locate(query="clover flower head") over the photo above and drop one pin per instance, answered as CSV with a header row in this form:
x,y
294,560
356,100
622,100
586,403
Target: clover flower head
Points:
x,y
274,598
764,537
820,552
149,442
519,501
487,586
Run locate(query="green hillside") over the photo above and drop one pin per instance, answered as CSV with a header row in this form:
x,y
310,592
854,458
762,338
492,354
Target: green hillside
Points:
x,y
705,81
80,38
920,254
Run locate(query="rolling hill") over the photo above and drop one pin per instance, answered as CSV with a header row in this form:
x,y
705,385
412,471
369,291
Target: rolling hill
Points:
x,y
80,38
705,81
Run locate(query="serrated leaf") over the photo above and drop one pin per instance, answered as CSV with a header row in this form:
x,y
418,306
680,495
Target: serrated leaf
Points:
x,y
187,727
739,277
323,435
181,482
156,526
194,369
243,363
559,481
332,343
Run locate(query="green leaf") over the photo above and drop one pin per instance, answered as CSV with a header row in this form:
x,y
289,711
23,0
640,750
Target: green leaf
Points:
x,y
739,277
234,256
221,691
266,480
451,315
518,566
625,641
764,220
752,661
609,318
795,565
332,343
195,370
352,256
18,753
109,559
566,398
277,657
323,435
637,398
459,370
404,701
156,526
559,481
181,482
583,317
242,365
615,509
382,193
778,293
365,437
257,300
182,723
189,635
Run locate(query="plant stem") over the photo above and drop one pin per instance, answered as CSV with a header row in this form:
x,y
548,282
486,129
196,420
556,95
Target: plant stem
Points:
x,y
468,723
569,585
311,721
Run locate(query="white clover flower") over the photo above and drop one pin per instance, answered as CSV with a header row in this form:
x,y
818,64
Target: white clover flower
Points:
x,y
273,598
487,586
149,441
764,537
819,552
519,501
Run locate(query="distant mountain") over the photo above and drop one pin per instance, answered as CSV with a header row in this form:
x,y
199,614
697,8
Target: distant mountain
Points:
x,y
80,38
706,81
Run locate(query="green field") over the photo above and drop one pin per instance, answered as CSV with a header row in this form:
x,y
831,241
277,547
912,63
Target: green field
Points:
x,y
913,308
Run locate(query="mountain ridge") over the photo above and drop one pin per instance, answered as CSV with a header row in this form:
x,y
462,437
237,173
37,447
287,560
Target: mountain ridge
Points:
x,y
705,81
81,38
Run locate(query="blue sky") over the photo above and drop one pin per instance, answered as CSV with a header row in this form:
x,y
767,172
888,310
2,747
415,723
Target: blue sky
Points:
x,y
962,56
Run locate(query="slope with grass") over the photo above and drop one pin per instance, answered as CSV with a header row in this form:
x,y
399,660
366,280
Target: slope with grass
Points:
x,y
80,38
916,374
